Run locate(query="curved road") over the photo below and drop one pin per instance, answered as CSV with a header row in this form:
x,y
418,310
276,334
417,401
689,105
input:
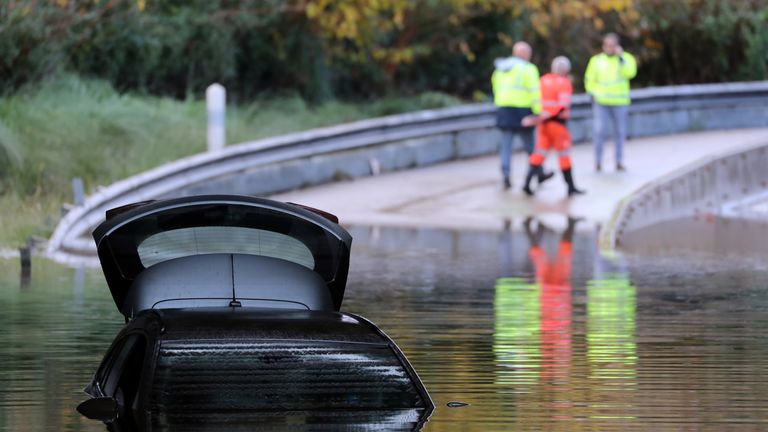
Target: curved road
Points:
x,y
467,193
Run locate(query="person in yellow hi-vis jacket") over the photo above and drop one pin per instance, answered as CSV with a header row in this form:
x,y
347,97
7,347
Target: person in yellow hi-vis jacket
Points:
x,y
516,94
607,80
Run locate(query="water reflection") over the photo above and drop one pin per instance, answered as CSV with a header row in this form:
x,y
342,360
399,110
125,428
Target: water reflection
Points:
x,y
533,332
706,235
51,337
531,326
539,331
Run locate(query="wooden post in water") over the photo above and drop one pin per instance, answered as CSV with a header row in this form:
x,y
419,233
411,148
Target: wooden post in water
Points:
x,y
25,255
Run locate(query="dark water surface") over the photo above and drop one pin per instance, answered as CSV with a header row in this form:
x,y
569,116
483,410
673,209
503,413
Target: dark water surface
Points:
x,y
732,239
548,337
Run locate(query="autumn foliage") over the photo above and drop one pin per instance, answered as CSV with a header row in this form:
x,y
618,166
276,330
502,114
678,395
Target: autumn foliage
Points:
x,y
365,48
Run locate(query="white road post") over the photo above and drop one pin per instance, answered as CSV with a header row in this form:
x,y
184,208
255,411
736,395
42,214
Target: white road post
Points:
x,y
216,102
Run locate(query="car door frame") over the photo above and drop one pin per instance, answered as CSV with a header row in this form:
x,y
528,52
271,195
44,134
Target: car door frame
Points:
x,y
149,328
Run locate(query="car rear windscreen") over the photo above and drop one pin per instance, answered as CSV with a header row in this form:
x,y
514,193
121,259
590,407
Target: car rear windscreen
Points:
x,y
194,377
183,242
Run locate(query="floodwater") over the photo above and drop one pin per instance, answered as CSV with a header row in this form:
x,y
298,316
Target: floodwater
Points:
x,y
534,329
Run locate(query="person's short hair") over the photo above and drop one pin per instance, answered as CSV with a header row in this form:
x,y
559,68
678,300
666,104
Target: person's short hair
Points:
x,y
561,62
613,36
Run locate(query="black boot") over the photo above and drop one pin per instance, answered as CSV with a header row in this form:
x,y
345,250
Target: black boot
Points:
x,y
542,177
572,190
507,183
533,170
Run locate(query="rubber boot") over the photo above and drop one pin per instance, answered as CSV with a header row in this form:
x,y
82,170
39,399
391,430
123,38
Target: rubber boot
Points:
x,y
533,170
542,177
572,190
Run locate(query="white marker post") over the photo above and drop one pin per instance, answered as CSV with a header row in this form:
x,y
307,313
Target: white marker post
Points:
x,y
216,102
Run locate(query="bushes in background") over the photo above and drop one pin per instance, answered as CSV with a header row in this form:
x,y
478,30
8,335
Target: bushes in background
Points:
x,y
699,41
363,49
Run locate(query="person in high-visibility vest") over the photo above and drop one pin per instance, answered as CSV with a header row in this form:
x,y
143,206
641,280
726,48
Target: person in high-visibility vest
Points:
x,y
556,91
607,80
516,94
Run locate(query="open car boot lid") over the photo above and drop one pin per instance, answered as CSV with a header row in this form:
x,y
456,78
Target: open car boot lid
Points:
x,y
215,250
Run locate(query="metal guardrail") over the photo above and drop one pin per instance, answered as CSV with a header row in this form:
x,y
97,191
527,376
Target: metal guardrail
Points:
x,y
658,110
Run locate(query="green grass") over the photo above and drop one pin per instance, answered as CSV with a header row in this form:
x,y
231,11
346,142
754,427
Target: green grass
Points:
x,y
23,217
72,127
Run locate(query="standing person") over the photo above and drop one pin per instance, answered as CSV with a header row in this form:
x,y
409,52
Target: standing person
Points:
x,y
556,91
607,80
516,94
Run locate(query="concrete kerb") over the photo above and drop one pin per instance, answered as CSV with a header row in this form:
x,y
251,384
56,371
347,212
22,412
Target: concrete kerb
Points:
x,y
708,197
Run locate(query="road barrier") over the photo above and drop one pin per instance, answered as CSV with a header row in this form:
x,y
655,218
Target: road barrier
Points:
x,y
392,143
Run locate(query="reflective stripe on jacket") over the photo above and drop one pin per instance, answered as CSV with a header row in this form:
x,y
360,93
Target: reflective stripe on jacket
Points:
x,y
517,86
607,78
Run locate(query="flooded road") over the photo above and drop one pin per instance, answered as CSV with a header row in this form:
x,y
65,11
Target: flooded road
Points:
x,y
533,328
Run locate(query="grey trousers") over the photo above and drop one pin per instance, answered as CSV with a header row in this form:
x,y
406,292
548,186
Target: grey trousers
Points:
x,y
505,150
617,117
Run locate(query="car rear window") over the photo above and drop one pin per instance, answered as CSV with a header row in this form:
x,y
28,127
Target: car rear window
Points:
x,y
183,242
194,377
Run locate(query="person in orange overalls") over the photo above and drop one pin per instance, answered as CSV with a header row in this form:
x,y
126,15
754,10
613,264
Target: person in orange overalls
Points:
x,y
556,91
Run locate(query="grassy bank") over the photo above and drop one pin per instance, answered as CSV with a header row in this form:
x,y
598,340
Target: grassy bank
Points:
x,y
69,127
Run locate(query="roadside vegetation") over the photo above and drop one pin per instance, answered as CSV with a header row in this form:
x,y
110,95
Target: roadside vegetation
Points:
x,y
67,127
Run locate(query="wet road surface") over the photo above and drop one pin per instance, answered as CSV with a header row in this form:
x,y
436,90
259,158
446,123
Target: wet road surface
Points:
x,y
467,193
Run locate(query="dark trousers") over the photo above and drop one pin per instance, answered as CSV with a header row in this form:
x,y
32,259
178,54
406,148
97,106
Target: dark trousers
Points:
x,y
507,141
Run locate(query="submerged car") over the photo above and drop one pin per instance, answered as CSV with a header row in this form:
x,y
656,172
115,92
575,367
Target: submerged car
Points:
x,y
232,319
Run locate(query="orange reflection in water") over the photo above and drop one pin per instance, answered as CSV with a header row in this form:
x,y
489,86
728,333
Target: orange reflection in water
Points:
x,y
537,359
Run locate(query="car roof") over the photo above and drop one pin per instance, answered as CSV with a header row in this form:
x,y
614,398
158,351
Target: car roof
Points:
x,y
138,236
230,323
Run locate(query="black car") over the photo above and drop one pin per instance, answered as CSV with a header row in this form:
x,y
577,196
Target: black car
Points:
x,y
232,322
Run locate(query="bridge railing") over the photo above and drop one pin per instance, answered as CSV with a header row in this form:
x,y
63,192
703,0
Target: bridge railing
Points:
x,y
392,143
